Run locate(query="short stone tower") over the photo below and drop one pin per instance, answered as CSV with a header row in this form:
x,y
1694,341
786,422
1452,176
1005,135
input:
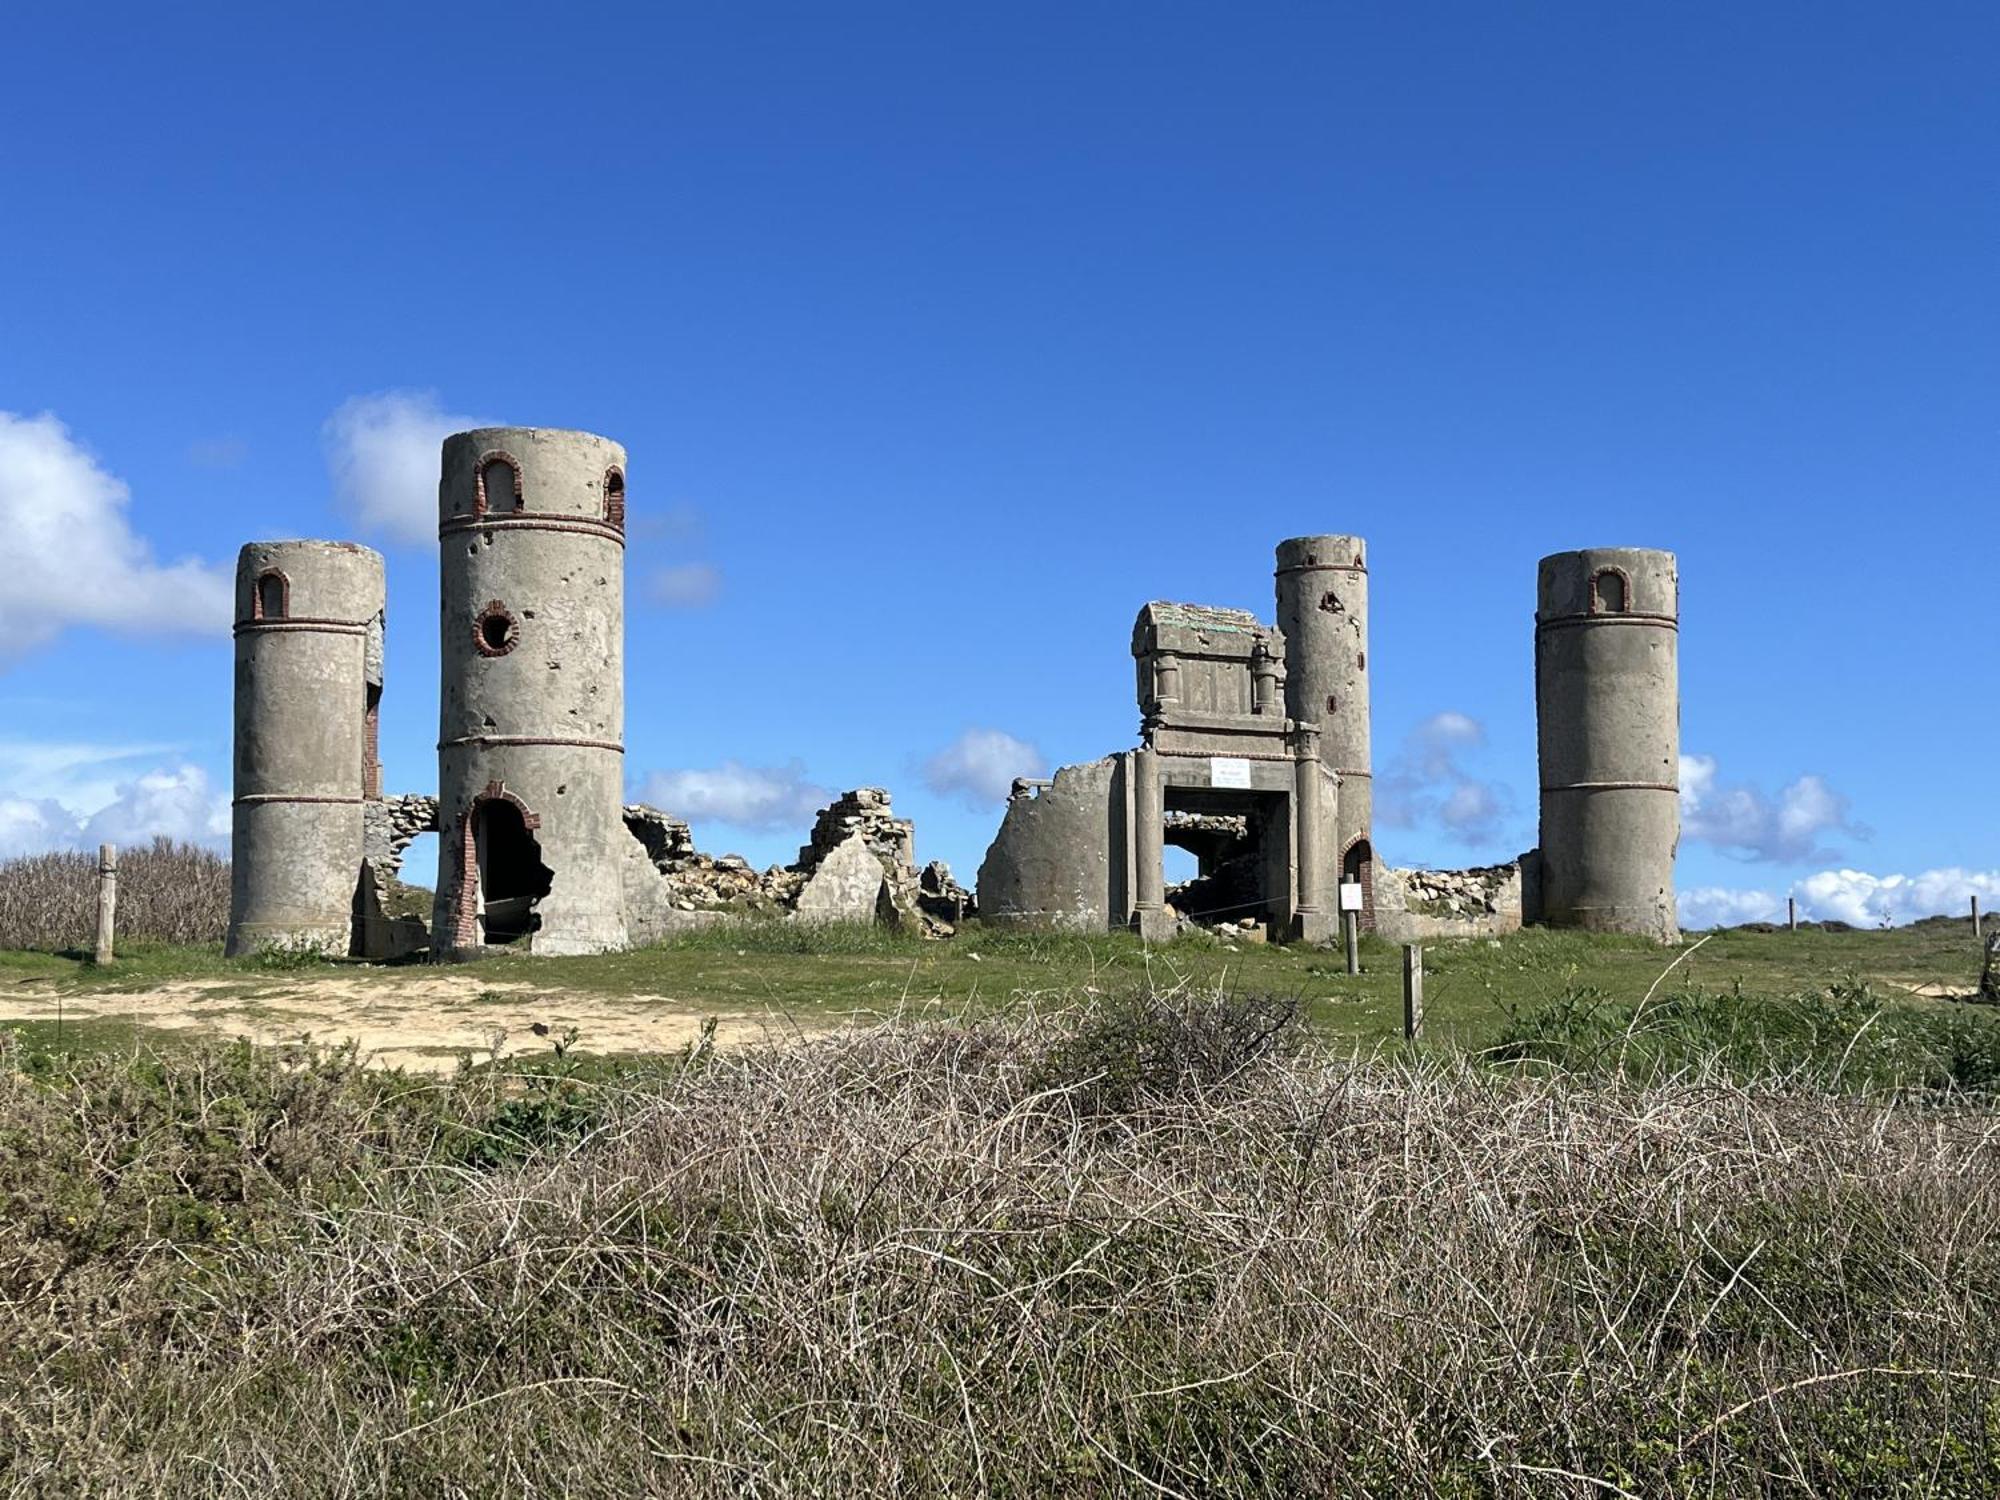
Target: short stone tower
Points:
x,y
532,705
1607,710
308,680
1323,615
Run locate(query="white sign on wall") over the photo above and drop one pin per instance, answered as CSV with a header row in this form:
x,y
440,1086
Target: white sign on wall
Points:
x,y
1350,895
1230,772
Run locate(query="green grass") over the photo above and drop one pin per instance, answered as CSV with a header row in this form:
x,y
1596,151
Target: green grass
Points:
x,y
1475,989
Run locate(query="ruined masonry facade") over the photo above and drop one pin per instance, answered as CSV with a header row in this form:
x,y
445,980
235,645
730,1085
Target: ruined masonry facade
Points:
x,y
537,852
1253,754
1232,710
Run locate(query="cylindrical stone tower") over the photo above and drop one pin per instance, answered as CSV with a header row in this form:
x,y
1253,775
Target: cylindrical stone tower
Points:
x,y
1323,614
305,616
1607,711
532,703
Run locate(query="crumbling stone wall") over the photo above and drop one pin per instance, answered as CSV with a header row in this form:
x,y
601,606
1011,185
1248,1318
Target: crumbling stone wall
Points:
x,y
1060,856
856,866
1414,906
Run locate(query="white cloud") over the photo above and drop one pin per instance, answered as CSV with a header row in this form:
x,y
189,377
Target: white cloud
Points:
x,y
1715,906
979,766
1742,821
1851,896
72,556
739,795
685,586
178,802
1427,782
382,453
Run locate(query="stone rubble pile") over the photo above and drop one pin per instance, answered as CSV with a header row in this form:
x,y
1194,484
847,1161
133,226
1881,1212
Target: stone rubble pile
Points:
x,y
1459,893
858,865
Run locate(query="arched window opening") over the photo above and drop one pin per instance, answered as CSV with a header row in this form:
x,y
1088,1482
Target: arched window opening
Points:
x,y
499,485
273,597
1608,592
614,497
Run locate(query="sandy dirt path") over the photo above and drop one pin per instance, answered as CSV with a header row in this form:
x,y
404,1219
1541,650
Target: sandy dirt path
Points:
x,y
423,1021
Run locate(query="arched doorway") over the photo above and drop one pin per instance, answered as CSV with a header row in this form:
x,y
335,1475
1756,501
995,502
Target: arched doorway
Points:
x,y
1358,865
507,862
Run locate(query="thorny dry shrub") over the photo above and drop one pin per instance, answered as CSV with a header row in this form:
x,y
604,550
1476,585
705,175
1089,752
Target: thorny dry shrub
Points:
x,y
933,1259
167,893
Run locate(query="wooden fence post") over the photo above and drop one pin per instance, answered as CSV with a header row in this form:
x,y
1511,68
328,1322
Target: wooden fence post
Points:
x,y
107,900
1413,991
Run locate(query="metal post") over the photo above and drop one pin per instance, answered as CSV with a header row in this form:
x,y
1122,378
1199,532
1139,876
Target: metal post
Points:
x,y
1350,932
1413,991
107,900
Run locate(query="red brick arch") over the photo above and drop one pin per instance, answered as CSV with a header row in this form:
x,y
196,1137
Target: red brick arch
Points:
x,y
497,456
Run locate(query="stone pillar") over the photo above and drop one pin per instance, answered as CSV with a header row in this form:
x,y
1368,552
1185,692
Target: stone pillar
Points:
x,y
532,703
1323,613
1607,709
1312,922
303,614
1149,843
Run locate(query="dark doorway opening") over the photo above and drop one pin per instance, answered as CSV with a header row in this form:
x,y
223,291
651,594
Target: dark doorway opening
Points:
x,y
1357,864
512,877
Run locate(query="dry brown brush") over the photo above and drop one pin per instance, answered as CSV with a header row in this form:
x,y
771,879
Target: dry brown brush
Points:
x,y
167,893
1129,1253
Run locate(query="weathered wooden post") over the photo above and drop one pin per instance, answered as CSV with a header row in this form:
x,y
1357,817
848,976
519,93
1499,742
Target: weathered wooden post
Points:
x,y
107,900
1792,913
1975,920
1413,991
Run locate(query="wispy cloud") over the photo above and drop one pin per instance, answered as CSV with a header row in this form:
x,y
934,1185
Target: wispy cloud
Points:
x,y
1742,821
382,454
1428,783
980,766
61,798
750,797
1855,897
72,555
685,586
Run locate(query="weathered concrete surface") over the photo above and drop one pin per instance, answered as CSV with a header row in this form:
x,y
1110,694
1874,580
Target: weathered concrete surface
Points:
x,y
1322,587
851,884
1061,854
1607,701
532,700
305,611
1417,906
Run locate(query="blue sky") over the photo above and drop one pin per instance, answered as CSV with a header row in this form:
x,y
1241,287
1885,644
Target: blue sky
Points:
x,y
942,338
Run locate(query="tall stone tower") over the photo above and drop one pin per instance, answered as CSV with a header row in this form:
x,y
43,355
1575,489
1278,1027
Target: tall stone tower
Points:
x,y
308,679
532,705
1323,614
1607,711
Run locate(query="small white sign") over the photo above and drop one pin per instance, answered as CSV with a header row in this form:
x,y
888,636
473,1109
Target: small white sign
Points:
x,y
1350,895
1227,771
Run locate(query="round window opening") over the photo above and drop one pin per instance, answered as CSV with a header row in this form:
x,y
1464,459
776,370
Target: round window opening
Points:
x,y
496,631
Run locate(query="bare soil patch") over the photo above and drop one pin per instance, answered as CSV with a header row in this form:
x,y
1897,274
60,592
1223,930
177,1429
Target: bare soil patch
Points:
x,y
424,1021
